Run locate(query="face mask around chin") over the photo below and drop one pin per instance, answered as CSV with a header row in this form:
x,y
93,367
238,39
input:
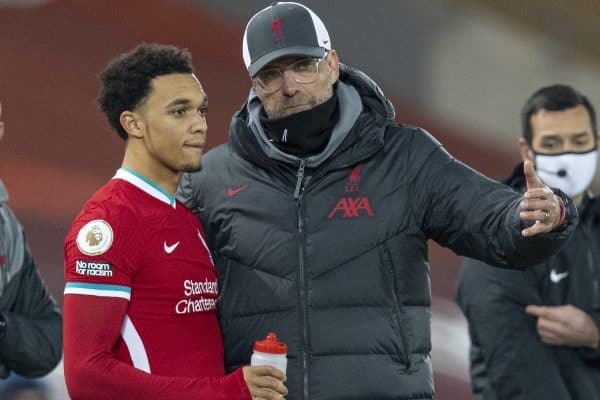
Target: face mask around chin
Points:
x,y
570,172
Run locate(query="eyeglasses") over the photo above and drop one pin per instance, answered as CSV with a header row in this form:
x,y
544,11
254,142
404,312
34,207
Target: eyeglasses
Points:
x,y
304,71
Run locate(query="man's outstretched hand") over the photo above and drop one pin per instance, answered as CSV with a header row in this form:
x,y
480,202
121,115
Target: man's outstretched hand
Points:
x,y
540,205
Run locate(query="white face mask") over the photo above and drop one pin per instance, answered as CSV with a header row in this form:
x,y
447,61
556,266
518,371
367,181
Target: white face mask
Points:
x,y
570,172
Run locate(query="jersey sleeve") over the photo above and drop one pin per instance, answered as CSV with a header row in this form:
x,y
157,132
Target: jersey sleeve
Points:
x,y
99,253
91,328
100,250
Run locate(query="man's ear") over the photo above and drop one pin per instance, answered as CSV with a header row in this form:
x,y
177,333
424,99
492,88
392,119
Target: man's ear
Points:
x,y
132,124
334,64
525,151
254,84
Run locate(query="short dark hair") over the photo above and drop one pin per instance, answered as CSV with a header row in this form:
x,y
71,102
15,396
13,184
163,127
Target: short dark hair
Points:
x,y
554,98
126,80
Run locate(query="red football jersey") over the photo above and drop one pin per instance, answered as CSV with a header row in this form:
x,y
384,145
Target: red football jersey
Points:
x,y
139,274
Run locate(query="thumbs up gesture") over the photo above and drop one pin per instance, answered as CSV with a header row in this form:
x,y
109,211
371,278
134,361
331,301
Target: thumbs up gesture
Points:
x,y
540,205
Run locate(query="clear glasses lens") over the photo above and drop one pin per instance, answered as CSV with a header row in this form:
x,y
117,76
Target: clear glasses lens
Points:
x,y
304,71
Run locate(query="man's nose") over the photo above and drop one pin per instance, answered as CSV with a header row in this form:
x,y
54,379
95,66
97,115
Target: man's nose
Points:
x,y
289,86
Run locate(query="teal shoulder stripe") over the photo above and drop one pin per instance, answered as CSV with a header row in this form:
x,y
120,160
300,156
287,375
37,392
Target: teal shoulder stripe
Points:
x,y
98,286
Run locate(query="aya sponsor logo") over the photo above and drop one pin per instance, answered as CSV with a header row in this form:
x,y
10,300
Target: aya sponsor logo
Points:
x,y
352,206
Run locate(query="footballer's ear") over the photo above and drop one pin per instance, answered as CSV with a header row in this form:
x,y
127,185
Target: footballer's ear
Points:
x,y
132,124
525,151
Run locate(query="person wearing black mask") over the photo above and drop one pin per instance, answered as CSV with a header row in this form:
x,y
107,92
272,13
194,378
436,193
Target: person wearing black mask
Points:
x,y
318,211
535,334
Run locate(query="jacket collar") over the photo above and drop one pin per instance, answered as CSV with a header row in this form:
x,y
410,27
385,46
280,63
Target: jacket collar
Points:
x,y
364,115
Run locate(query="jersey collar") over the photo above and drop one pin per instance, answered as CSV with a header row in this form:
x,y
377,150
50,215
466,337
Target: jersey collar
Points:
x,y
145,184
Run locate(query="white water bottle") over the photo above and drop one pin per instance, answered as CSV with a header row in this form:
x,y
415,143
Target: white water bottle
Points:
x,y
270,352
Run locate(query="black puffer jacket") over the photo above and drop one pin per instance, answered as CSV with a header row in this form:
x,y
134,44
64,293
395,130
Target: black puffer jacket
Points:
x,y
508,360
330,252
32,343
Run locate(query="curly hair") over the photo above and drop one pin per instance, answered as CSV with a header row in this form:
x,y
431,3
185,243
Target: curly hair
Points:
x,y
127,80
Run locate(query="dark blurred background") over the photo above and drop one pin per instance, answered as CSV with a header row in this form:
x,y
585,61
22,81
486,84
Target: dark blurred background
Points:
x,y
459,68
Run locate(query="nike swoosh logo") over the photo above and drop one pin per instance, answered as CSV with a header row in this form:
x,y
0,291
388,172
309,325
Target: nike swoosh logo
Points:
x,y
234,191
171,248
556,277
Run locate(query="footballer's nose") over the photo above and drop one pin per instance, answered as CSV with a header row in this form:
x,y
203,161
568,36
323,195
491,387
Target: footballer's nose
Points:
x,y
200,126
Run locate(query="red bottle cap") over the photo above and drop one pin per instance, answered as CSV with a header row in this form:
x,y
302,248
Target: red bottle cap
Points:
x,y
270,345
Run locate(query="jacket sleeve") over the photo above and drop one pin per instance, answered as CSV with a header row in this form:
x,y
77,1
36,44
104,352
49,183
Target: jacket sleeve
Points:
x,y
32,343
507,357
92,372
474,216
592,355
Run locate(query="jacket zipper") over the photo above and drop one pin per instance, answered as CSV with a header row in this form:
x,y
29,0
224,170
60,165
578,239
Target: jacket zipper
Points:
x,y
302,278
300,179
405,356
595,300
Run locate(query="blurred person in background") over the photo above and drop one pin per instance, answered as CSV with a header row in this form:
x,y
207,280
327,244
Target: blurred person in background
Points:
x,y
318,211
30,319
26,389
535,334
141,291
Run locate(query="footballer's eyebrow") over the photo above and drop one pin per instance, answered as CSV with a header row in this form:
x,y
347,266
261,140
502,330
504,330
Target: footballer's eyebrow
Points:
x,y
179,102
186,102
